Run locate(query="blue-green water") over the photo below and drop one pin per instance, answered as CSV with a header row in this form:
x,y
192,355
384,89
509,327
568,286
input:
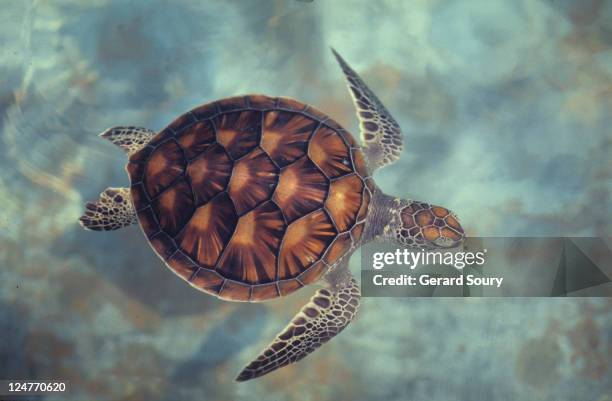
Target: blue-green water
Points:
x,y
505,108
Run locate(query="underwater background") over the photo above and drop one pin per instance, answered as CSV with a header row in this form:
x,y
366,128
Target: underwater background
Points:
x,y
505,108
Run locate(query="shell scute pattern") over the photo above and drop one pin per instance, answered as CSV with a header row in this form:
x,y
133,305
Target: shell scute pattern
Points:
x,y
196,138
302,188
176,197
238,132
330,153
251,198
166,164
182,264
209,174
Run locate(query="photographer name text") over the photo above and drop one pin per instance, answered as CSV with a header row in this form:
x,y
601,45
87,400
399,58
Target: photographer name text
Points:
x,y
429,280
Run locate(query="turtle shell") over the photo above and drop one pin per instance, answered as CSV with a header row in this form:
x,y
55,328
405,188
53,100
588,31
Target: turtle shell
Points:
x,y
250,198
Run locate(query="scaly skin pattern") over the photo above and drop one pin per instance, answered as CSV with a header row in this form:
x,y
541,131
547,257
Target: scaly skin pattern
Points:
x,y
130,139
113,210
424,223
380,133
329,311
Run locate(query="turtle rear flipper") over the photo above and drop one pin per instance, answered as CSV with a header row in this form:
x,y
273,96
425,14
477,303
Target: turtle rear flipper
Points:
x,y
130,139
327,313
113,210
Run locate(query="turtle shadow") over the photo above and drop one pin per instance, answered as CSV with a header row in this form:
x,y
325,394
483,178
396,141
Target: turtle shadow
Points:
x,y
124,258
240,329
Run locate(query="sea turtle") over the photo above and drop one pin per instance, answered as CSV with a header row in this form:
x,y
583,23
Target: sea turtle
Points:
x,y
253,197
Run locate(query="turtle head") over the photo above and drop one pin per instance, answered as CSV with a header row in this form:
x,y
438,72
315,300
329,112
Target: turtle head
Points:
x,y
420,224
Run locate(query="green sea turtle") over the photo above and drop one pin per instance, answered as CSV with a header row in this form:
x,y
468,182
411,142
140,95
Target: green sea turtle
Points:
x,y
253,197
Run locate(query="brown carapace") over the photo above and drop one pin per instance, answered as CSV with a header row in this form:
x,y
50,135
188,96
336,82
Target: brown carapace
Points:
x,y
250,198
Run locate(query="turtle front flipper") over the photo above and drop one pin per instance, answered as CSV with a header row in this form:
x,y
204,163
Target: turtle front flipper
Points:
x,y
130,139
381,135
113,210
327,313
